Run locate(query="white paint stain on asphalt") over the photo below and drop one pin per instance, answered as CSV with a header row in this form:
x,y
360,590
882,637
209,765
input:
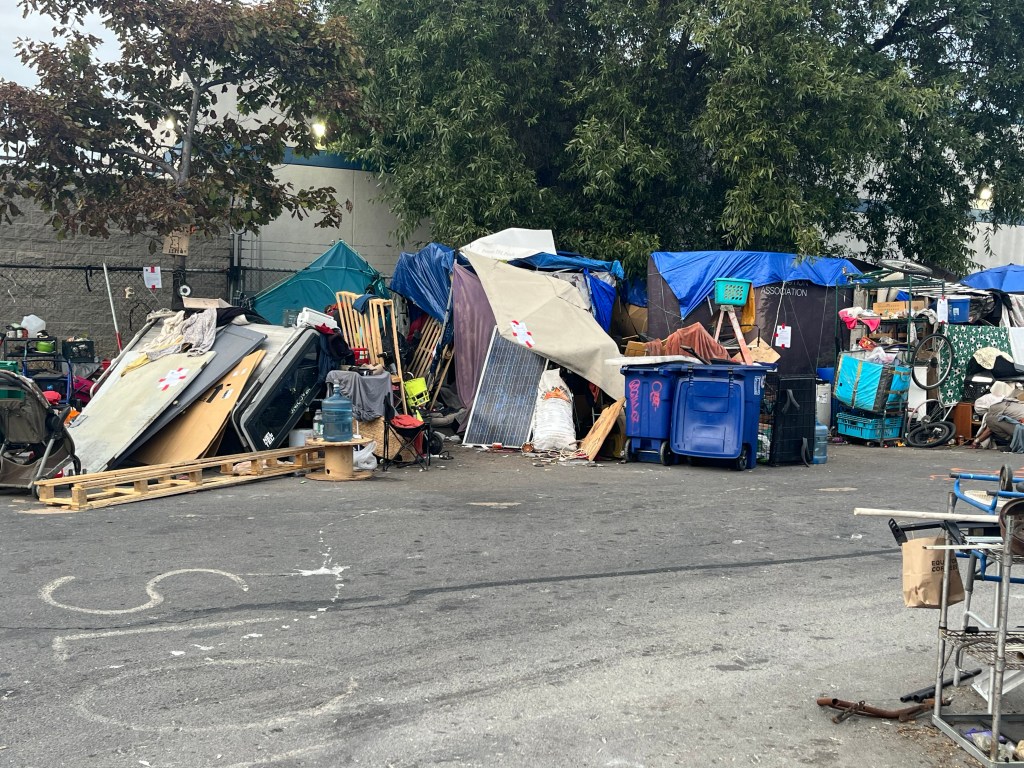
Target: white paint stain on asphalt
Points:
x,y
84,703
60,642
155,596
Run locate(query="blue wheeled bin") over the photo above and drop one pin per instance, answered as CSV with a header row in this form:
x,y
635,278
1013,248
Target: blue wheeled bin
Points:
x,y
715,412
649,391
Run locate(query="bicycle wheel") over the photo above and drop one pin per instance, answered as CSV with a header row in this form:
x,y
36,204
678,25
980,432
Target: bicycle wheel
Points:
x,y
932,361
931,434
906,267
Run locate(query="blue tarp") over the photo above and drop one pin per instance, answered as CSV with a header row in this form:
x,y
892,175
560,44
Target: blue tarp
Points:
x,y
550,262
691,274
602,296
425,278
636,291
339,269
1009,279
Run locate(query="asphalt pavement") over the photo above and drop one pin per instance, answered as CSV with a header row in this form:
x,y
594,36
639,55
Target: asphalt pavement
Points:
x,y
492,611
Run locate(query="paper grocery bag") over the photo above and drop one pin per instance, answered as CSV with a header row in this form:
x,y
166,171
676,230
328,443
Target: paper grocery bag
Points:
x,y
922,574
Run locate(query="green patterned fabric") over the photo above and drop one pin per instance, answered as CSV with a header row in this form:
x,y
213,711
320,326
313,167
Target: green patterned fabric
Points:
x,y
966,340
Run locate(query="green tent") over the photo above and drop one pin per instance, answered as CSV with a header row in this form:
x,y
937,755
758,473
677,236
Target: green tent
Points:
x,y
339,269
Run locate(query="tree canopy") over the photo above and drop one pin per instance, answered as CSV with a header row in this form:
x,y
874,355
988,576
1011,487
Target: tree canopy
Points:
x,y
689,125
183,130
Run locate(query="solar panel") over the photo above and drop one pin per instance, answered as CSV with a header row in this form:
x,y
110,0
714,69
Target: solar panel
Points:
x,y
506,396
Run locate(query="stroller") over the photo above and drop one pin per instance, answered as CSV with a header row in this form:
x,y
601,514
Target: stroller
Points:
x,y
34,445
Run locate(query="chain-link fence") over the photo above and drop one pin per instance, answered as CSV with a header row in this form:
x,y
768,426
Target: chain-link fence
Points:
x,y
74,302
251,280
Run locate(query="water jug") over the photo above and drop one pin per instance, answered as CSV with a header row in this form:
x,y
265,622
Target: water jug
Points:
x,y
337,416
820,444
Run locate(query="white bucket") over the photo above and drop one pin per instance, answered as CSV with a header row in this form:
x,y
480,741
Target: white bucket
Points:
x,y
297,437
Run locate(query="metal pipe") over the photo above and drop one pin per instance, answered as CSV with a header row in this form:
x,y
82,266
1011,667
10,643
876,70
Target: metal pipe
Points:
x,y
113,312
860,708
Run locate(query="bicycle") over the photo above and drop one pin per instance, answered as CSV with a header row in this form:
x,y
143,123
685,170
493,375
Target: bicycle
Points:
x,y
928,424
931,359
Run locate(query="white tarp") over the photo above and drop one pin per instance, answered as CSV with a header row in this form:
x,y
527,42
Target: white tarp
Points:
x,y
513,243
545,314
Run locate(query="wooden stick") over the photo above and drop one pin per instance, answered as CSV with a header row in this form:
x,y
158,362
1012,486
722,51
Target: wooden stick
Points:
x,y
867,511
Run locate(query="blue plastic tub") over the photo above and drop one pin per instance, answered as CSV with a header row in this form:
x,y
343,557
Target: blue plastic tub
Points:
x,y
649,392
716,410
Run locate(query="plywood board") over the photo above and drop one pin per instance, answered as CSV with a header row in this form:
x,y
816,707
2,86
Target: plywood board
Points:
x,y
107,426
192,434
591,444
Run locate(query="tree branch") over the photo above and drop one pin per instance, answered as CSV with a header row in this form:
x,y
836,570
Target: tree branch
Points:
x,y
156,162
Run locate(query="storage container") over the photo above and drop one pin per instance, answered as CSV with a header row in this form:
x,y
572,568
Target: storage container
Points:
x,y
959,309
871,386
649,391
731,292
867,428
715,412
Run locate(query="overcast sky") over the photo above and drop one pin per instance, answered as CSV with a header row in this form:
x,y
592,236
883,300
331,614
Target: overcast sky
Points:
x,y
35,27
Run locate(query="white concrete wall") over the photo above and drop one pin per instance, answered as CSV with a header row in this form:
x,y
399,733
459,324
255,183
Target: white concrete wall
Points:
x,y
369,228
1006,245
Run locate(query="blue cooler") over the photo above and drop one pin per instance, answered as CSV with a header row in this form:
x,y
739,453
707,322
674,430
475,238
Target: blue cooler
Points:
x,y
716,412
649,391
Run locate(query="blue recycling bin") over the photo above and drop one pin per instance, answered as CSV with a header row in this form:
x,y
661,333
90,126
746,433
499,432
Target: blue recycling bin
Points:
x,y
715,412
649,391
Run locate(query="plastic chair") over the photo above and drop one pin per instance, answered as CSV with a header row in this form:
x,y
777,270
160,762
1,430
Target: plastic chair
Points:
x,y
412,434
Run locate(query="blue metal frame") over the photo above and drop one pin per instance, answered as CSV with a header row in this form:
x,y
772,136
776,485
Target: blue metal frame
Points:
x,y
989,509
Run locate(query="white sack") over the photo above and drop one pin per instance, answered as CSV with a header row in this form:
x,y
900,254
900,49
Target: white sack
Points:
x,y
553,429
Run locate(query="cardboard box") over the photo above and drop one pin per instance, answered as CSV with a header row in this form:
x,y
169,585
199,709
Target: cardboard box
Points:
x,y
897,308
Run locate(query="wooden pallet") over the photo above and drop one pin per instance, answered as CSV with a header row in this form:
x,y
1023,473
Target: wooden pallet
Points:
x,y
123,486
430,335
365,331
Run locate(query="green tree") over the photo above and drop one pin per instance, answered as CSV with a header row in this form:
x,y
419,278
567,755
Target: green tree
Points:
x,y
683,124
184,129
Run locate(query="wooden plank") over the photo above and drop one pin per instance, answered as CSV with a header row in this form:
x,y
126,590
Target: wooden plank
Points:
x,y
591,444
449,355
191,434
869,512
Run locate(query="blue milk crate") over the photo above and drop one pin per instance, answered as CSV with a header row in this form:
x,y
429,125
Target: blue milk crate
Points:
x,y
867,428
731,292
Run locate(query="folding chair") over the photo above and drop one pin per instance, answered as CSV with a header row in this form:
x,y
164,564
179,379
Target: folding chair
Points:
x,y
412,434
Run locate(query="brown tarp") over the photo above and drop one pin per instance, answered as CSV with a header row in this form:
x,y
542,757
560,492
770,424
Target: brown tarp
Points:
x,y
693,337
474,322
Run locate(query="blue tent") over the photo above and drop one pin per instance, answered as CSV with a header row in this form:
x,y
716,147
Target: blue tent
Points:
x,y
339,269
1008,278
691,275
425,278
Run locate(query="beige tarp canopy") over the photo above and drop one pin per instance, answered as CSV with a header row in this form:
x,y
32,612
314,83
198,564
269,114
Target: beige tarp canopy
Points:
x,y
547,313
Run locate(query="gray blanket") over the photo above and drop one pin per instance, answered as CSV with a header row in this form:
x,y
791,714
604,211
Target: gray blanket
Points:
x,y
367,393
